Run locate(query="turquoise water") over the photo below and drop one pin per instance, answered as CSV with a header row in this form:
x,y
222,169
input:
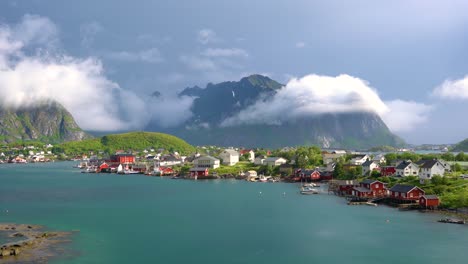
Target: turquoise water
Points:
x,y
140,219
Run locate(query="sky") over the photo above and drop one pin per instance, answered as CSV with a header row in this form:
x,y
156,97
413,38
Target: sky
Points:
x,y
405,60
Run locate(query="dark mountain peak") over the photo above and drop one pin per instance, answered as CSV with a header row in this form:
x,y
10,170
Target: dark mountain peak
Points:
x,y
261,81
191,91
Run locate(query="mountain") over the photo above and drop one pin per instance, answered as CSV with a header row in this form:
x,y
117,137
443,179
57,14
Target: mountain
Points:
x,y
128,141
48,121
213,104
461,146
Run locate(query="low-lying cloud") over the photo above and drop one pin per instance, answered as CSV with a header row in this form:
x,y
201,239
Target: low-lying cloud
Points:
x,y
453,89
80,85
316,94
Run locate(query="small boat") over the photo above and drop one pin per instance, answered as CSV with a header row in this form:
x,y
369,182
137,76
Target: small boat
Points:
x,y
131,172
311,185
308,190
371,204
90,169
451,221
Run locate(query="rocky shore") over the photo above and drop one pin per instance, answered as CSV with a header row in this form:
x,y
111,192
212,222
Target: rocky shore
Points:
x,y
29,243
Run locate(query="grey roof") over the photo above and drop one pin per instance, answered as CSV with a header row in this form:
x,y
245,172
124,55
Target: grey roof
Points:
x,y
431,196
403,188
429,164
368,181
207,157
231,152
367,163
273,158
403,165
362,189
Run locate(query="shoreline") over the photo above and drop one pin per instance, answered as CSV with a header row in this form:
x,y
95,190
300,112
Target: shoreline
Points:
x,y
35,244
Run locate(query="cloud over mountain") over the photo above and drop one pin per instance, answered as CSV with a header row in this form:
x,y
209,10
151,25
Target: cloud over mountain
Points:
x,y
31,71
316,94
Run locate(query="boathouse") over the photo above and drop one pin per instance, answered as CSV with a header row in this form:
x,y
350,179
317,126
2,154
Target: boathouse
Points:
x,y
370,188
199,172
406,192
429,201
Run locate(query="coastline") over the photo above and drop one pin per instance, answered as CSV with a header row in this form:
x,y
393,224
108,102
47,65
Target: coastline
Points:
x,y
30,243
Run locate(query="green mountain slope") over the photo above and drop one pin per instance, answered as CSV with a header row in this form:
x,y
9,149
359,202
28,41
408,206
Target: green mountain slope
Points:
x,y
136,141
47,122
461,146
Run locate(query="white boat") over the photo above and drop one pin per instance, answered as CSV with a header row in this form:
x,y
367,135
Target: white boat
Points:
x,y
308,190
90,169
311,185
131,172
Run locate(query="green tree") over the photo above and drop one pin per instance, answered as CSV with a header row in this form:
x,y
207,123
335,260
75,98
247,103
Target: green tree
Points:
x,y
390,157
339,172
460,157
448,156
457,167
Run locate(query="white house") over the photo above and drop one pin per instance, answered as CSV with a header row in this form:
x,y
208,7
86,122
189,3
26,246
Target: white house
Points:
x,y
250,153
369,166
229,157
359,159
206,162
168,160
274,161
380,159
260,160
407,168
430,168
331,157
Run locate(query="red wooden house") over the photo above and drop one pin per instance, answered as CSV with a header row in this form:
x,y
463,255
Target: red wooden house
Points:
x,y
104,167
429,201
199,172
369,189
326,175
387,170
406,192
345,187
123,158
308,175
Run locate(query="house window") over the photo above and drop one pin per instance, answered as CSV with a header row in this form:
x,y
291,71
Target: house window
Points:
x,y
411,195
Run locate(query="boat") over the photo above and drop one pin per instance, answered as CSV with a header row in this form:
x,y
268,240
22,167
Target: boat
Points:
x,y
90,169
308,190
311,185
371,204
131,172
451,221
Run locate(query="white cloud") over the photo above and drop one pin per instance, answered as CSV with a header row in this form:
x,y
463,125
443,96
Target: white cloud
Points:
x,y
171,110
207,36
198,63
453,89
404,116
152,55
88,32
79,84
232,52
315,95
300,44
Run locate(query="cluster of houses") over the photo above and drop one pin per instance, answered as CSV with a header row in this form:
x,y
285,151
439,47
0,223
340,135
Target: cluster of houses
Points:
x,y
424,169
373,190
25,154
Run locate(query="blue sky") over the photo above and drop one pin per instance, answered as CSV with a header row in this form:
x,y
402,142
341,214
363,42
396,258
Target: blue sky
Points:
x,y
404,50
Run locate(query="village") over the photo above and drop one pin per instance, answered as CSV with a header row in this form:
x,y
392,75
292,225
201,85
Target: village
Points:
x,y
359,177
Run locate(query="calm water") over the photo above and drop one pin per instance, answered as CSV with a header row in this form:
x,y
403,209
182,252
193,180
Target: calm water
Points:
x,y
139,219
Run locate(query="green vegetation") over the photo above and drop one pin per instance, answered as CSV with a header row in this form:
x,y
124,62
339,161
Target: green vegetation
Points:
x,y
134,141
461,146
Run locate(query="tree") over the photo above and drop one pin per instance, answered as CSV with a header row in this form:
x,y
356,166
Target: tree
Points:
x,y
390,157
460,157
457,167
448,156
339,172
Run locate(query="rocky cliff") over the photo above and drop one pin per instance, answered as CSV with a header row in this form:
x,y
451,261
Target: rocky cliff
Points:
x,y
47,121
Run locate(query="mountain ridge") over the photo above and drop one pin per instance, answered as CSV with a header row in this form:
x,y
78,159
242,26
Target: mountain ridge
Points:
x,y
217,102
